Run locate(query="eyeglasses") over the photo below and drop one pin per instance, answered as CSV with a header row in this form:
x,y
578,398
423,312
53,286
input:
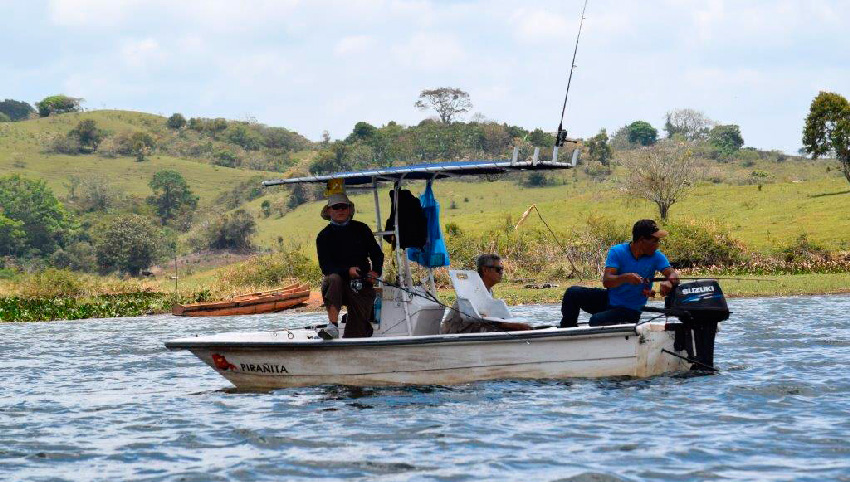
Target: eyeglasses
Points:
x,y
339,207
498,269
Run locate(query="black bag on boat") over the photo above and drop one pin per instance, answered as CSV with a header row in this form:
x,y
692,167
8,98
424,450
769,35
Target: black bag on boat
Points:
x,y
412,225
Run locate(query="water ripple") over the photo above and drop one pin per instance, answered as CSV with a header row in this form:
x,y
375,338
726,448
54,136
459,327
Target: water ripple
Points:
x,y
102,400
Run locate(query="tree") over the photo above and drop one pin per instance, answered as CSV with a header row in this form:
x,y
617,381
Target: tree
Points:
x,y
30,206
539,138
363,131
171,195
92,193
620,139
641,132
176,121
827,129
447,101
16,110
662,174
726,139
141,144
87,134
231,231
244,137
5,118
128,245
598,148
335,158
46,223
58,104
691,124
12,235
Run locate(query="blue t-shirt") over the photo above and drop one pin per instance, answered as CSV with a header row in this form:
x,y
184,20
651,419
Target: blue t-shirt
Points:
x,y
629,295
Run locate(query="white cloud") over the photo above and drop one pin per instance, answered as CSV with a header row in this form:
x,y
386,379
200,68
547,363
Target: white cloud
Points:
x,y
353,45
142,54
540,26
430,51
91,13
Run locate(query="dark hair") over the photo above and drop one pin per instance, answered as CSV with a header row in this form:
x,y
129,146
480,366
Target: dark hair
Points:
x,y
486,260
644,228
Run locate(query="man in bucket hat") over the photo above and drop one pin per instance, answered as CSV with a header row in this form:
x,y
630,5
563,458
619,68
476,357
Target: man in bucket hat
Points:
x,y
350,259
628,270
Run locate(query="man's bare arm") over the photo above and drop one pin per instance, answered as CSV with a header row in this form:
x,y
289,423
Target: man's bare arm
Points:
x,y
610,278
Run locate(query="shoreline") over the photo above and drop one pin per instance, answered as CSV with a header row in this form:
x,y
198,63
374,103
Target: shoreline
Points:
x,y
23,310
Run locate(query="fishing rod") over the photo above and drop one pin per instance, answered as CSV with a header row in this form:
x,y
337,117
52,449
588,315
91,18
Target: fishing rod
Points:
x,y
711,277
561,137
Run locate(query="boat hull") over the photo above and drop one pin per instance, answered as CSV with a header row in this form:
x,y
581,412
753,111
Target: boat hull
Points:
x,y
267,361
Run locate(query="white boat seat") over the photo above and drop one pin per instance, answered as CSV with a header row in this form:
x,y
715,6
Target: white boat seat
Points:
x,y
473,299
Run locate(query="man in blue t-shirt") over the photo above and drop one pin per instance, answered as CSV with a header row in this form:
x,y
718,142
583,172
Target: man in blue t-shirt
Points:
x,y
629,270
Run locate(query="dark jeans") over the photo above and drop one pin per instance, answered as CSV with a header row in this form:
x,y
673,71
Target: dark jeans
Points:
x,y
337,292
594,301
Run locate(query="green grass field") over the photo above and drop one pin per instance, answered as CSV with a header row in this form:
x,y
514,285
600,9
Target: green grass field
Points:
x,y
796,197
763,219
22,151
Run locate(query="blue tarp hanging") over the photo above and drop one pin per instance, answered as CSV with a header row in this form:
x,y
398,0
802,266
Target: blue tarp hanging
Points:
x,y
434,253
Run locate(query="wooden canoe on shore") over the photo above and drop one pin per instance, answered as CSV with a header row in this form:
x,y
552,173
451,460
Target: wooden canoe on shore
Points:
x,y
249,304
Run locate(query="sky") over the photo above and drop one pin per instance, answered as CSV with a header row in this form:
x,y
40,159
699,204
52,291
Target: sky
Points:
x,y
318,65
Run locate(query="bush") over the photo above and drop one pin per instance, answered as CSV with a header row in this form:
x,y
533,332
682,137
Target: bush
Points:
x,y
704,244
803,250
65,145
128,244
176,121
52,283
272,270
231,231
79,256
225,158
87,134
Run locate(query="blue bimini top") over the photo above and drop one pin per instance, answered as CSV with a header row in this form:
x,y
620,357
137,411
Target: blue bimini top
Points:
x,y
629,295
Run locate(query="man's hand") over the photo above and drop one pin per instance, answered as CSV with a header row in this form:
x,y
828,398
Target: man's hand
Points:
x,y
354,272
666,288
631,278
372,275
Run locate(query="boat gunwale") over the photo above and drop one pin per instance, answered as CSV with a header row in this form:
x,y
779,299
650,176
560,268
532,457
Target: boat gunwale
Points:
x,y
188,344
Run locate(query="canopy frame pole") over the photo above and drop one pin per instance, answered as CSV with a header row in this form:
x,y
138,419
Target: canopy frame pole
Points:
x,y
402,279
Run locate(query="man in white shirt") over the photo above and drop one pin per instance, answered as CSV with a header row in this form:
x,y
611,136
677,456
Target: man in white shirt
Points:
x,y
491,269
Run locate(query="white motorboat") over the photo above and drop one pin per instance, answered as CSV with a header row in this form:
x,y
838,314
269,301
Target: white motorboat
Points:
x,y
408,349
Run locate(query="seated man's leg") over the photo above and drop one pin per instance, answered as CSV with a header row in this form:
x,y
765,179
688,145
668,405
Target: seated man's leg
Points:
x,y
614,316
333,295
360,305
591,300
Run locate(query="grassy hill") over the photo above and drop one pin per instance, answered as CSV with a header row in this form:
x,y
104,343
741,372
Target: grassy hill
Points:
x,y
765,203
23,151
805,200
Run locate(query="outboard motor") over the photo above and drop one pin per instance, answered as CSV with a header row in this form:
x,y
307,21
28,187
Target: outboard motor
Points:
x,y
700,306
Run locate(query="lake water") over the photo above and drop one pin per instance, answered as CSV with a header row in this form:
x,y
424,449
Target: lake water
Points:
x,y
103,400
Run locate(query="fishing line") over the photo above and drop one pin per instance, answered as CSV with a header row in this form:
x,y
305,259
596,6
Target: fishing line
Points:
x,y
691,360
713,277
554,237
